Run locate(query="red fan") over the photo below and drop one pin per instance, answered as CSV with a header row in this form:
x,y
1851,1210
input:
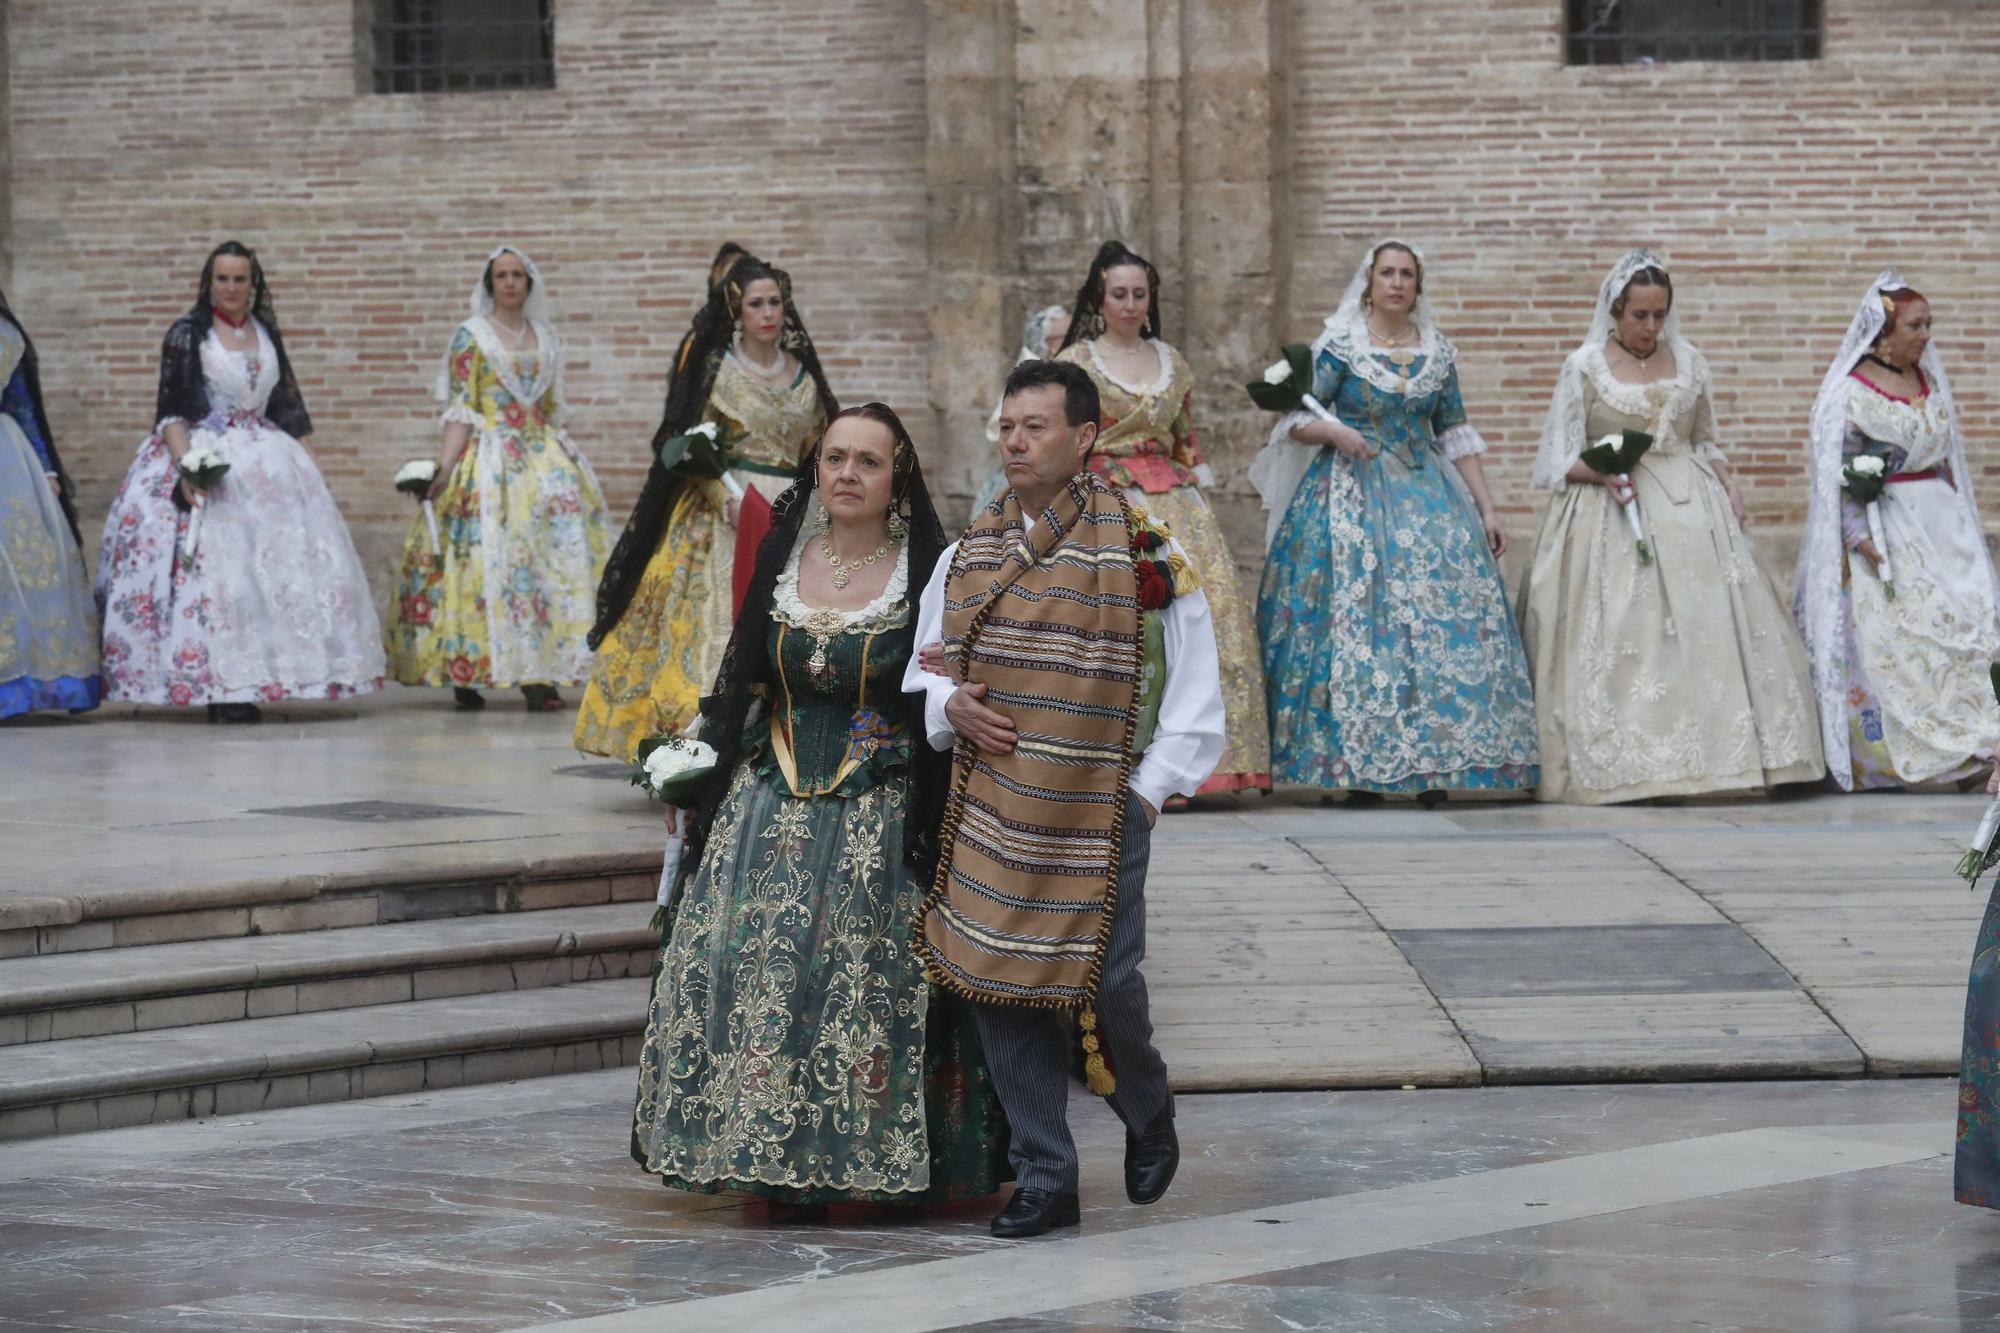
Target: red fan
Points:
x,y
753,522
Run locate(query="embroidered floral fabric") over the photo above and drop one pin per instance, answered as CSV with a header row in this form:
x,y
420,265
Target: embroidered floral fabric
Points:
x,y
1147,448
1391,659
653,667
1681,676
48,621
275,603
793,1047
522,530
1917,674
1976,1178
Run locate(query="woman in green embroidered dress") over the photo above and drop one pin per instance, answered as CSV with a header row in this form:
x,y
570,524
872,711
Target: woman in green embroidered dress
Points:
x,y
794,1049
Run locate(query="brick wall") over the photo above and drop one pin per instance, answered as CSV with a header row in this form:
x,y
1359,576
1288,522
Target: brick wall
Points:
x,y
144,131
1777,191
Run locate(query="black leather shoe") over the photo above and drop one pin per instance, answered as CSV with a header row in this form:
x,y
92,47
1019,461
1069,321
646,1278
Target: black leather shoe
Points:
x,y
1151,1158
1031,1212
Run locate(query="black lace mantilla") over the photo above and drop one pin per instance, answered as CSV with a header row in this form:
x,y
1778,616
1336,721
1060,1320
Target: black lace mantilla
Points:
x,y
696,362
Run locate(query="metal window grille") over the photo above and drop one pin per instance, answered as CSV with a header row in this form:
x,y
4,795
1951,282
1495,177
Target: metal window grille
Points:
x,y
1648,32
462,46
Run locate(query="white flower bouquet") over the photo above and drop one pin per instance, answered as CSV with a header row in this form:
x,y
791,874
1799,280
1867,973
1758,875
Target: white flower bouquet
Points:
x,y
415,478
674,768
202,469
1616,456
1864,477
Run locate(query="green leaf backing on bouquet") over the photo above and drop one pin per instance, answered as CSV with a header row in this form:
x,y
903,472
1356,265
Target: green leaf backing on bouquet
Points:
x,y
1993,674
1864,489
207,478
414,486
1616,460
1285,397
693,455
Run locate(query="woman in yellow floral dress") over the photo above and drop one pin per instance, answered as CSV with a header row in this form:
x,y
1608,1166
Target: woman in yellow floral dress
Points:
x,y
522,529
665,606
1146,444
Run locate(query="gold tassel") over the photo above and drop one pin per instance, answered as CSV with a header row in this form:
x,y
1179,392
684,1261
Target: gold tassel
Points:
x,y
1095,1073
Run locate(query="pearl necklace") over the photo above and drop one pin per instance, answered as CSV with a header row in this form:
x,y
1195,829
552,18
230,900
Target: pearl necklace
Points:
x,y
519,336
844,571
772,370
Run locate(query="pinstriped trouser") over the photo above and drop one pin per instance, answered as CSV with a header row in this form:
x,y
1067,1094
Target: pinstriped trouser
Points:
x,y
1028,1050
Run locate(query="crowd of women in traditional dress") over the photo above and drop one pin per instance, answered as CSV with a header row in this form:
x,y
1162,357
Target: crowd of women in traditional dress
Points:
x,y
1379,657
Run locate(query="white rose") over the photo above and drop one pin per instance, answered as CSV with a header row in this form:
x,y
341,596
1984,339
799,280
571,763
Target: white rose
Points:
x,y
705,428
670,761
1867,465
1278,372
1611,441
417,469
200,460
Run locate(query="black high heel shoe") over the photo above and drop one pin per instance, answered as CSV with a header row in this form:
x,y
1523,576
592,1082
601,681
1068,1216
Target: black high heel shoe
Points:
x,y
467,700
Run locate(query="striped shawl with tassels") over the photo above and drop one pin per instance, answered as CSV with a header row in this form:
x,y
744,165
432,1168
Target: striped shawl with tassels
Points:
x,y
1027,877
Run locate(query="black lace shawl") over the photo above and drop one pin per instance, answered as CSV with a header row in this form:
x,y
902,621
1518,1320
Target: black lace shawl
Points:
x,y
746,676
31,373
184,392
1086,317
693,375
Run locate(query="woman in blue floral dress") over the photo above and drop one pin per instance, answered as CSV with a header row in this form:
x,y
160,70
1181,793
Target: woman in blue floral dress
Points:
x,y
1391,659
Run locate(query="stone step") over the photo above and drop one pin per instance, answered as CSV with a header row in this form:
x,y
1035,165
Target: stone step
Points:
x,y
150,987
33,925
89,1083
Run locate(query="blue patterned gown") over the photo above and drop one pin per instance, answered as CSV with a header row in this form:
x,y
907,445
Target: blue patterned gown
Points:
x,y
1392,662
48,618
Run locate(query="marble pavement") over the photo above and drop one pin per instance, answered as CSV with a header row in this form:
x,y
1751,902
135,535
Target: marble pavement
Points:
x,y
1495,1066
1293,946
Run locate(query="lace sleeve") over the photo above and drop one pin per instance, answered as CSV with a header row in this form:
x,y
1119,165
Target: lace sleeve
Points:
x,y
1456,438
183,395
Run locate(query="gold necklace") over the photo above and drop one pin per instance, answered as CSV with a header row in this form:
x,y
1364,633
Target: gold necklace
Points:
x,y
1398,350
844,572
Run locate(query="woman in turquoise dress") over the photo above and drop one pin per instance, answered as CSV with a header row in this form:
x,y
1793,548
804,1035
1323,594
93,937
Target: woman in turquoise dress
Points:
x,y
794,1049
1392,663
48,614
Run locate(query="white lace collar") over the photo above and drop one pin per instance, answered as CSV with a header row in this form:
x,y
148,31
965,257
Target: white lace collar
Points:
x,y
547,368
1892,420
1350,339
1159,386
1682,388
889,607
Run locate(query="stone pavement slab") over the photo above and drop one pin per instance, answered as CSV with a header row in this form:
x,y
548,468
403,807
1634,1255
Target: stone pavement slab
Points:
x,y
1292,945
1819,1206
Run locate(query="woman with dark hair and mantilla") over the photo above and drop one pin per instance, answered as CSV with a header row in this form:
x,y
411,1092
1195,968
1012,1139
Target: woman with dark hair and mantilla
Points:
x,y
794,1049
1901,672
48,620
1146,447
666,601
1672,676
273,603
1391,659
522,527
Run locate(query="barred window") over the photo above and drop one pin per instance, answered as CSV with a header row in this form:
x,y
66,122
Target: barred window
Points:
x,y
1647,32
461,46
